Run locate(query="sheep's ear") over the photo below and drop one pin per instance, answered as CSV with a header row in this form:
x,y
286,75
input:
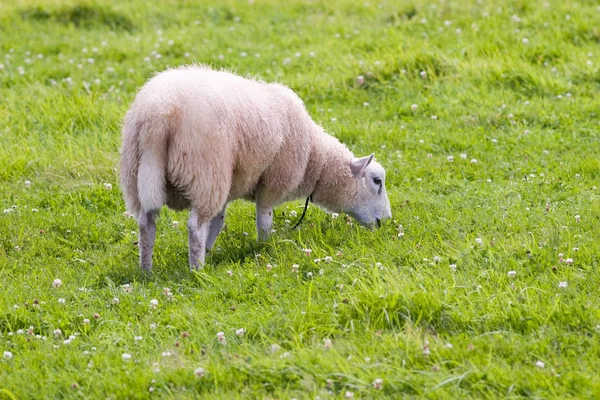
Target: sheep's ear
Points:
x,y
358,165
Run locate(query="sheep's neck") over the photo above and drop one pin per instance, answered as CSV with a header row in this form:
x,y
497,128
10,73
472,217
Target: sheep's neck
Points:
x,y
334,185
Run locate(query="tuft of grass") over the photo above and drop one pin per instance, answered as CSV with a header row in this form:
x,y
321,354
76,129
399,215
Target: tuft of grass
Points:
x,y
484,284
84,16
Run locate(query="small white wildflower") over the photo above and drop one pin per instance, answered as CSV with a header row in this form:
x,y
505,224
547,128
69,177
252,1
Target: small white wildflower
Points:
x,y
221,338
378,384
199,372
57,283
240,332
8,355
512,273
414,107
479,241
153,303
61,301
327,344
540,364
450,159
562,284
137,338
86,321
349,395
126,356
334,215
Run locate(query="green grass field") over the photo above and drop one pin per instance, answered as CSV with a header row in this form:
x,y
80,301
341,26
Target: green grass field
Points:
x,y
485,285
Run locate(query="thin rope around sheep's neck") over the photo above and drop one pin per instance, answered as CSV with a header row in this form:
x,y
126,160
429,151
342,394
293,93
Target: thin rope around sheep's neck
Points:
x,y
309,198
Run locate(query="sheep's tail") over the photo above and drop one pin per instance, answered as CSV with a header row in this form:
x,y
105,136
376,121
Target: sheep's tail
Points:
x,y
144,164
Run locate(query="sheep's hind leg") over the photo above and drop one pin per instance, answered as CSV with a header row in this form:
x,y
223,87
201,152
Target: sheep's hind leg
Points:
x,y
147,226
264,222
215,228
197,236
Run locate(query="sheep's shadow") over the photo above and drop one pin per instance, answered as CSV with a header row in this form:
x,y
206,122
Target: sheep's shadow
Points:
x,y
172,267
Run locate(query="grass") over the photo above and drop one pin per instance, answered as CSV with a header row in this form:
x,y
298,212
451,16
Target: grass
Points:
x,y
436,312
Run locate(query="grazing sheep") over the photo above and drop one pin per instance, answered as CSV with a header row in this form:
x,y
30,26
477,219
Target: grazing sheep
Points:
x,y
198,138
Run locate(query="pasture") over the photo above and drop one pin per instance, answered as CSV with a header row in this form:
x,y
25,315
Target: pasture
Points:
x,y
485,284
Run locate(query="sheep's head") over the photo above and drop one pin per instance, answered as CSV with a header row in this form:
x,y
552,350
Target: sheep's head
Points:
x,y
371,204
355,186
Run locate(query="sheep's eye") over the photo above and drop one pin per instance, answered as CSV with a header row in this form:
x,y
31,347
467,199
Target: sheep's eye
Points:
x,y
377,181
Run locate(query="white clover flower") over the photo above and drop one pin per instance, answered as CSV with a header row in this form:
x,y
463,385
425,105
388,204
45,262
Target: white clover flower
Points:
x,y
378,384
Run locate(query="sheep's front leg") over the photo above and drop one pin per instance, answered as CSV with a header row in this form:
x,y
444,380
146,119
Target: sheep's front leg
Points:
x,y
264,222
197,235
147,236
215,228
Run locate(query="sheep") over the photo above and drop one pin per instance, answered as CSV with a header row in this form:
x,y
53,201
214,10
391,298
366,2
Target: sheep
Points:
x,y
197,138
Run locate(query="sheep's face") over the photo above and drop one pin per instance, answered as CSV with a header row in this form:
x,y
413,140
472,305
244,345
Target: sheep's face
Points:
x,y
371,205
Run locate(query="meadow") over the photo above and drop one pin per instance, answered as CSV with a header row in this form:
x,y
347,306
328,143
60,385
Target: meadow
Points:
x,y
485,284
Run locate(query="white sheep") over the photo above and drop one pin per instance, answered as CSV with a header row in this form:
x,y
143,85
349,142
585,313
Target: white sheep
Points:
x,y
196,138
